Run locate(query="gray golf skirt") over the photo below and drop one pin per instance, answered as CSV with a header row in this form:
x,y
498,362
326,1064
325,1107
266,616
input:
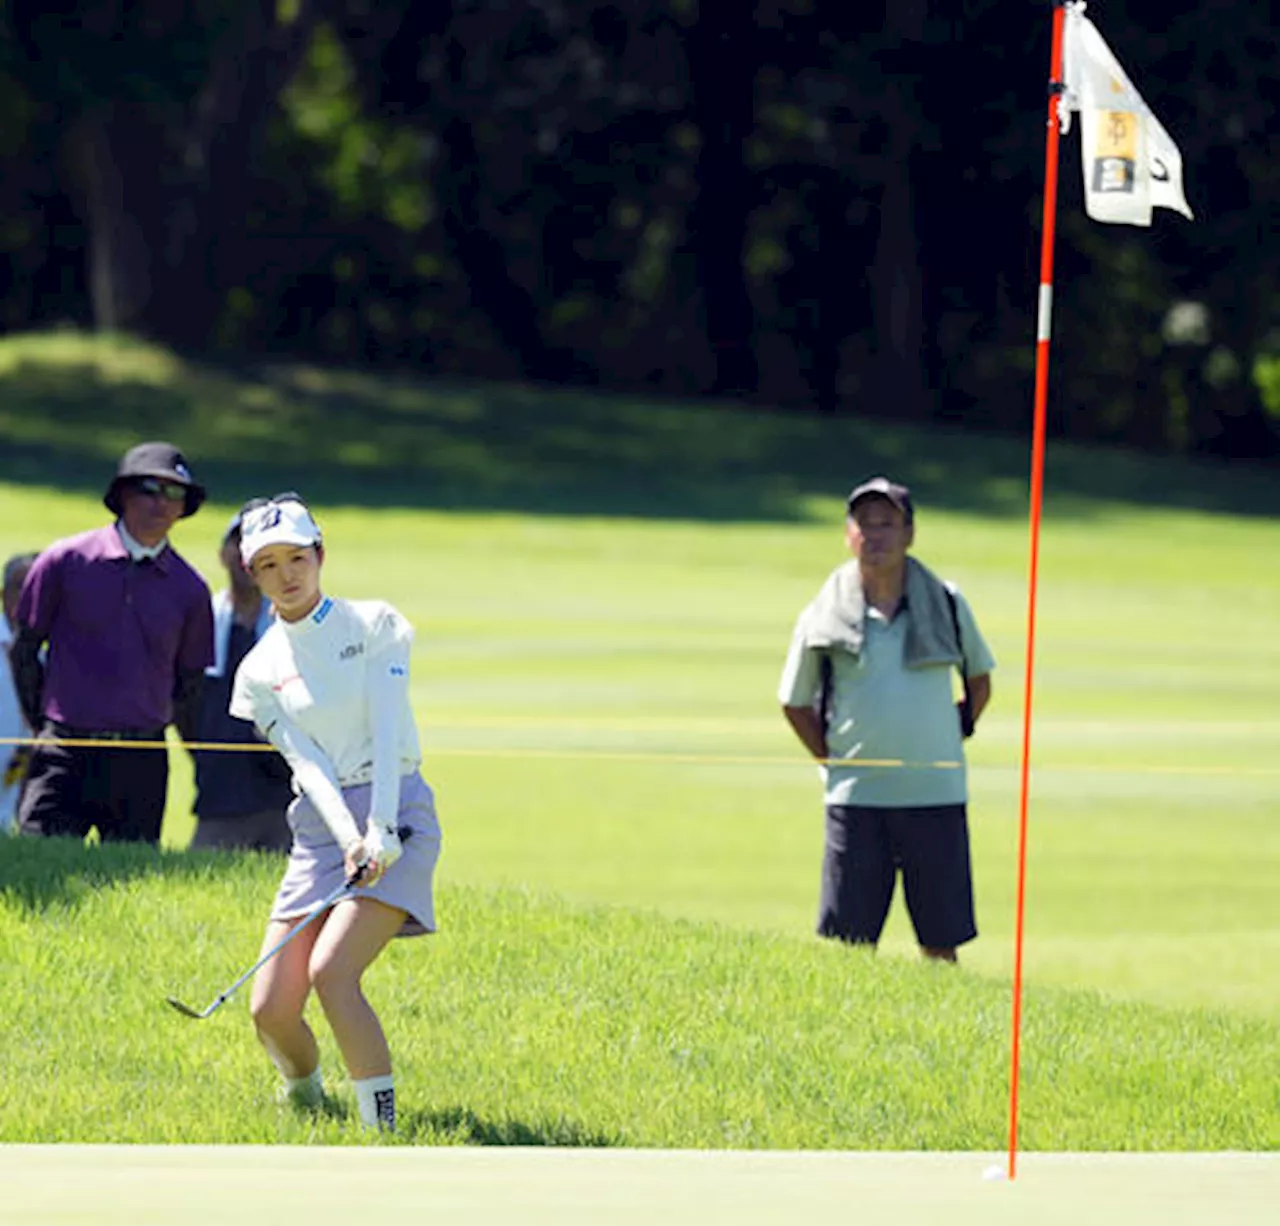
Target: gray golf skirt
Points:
x,y
316,868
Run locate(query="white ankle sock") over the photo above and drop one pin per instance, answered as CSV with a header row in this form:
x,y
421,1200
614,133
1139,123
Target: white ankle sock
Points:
x,y
376,1097
307,1091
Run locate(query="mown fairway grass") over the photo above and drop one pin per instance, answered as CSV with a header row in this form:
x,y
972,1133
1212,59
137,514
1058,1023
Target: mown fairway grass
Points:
x,y
603,595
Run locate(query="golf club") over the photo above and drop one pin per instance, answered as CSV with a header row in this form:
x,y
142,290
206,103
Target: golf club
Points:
x,y
335,896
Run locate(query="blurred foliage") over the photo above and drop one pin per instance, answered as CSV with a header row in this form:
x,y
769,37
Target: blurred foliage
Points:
x,y
817,206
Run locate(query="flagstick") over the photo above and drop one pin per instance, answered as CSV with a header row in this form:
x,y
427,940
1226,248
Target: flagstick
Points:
x,y
1044,320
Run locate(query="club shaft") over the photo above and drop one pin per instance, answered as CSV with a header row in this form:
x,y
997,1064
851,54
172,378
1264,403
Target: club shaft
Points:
x,y
311,916
336,895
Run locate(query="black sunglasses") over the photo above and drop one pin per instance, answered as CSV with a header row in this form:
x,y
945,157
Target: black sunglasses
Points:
x,y
153,487
287,496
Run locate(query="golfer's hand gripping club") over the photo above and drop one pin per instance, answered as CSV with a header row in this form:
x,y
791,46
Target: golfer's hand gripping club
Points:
x,y
375,854
369,859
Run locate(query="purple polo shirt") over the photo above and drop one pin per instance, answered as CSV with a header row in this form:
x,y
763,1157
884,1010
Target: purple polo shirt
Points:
x,y
118,631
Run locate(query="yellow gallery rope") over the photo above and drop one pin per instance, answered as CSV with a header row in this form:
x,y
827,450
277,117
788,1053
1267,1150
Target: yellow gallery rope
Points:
x,y
686,759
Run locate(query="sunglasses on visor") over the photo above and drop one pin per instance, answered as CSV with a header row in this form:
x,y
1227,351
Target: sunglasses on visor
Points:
x,y
254,503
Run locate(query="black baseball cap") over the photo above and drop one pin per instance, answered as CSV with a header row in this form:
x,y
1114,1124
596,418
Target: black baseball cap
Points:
x,y
161,460
882,487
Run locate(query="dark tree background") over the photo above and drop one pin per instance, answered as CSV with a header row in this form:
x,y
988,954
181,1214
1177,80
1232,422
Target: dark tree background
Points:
x,y
831,207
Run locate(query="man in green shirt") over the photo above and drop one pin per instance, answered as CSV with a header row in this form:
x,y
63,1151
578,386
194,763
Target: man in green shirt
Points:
x,y
867,688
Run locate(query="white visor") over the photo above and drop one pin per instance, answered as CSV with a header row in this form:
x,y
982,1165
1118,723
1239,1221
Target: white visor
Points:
x,y
276,523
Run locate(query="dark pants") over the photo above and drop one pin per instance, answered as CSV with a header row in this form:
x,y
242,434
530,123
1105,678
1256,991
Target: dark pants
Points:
x,y
267,830
69,790
865,850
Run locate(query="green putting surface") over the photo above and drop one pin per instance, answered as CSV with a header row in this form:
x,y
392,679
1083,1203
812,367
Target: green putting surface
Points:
x,y
252,1185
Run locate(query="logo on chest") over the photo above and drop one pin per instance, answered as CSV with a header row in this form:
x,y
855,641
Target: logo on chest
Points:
x,y
351,651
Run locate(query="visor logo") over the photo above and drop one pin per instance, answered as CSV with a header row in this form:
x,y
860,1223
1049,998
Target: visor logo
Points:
x,y
262,519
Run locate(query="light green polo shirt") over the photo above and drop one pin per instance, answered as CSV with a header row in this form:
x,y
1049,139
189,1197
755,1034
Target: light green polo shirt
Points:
x,y
883,711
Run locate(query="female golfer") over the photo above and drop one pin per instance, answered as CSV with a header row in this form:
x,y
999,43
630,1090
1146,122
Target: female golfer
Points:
x,y
328,685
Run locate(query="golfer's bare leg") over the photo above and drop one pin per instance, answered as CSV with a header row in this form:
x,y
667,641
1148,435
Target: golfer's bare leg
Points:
x,y
354,934
938,953
279,996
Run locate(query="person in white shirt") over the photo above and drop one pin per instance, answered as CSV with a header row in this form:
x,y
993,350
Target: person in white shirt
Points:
x,y
328,686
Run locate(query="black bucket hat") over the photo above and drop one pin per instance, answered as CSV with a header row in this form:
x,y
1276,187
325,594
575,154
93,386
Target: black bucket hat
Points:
x,y
161,460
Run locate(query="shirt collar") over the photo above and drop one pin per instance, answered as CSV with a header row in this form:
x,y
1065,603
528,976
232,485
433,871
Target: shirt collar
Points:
x,y
313,620
875,615
139,552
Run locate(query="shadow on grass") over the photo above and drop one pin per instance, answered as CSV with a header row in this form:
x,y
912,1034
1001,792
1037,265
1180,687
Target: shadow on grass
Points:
x,y
37,874
465,1126
350,438
329,1108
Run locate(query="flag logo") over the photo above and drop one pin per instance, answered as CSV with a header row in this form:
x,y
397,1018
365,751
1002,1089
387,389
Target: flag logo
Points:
x,y
1131,164
1115,167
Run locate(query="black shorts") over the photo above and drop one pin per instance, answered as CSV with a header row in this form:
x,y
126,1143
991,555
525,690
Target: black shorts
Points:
x,y
866,847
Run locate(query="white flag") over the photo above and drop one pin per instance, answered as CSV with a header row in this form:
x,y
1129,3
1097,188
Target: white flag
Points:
x,y
1131,164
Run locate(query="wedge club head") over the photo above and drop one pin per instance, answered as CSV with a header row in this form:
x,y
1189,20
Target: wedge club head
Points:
x,y
188,1011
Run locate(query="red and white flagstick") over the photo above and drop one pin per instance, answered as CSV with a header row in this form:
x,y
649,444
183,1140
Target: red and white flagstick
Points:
x,y
1044,320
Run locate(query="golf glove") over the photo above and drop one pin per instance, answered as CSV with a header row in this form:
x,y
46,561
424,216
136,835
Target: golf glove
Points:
x,y
383,844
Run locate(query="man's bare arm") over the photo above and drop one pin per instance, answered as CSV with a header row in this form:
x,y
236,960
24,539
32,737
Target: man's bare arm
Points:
x,y
979,694
808,727
28,674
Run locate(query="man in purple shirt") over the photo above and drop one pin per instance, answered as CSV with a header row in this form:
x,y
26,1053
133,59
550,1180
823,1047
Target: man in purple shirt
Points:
x,y
129,632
